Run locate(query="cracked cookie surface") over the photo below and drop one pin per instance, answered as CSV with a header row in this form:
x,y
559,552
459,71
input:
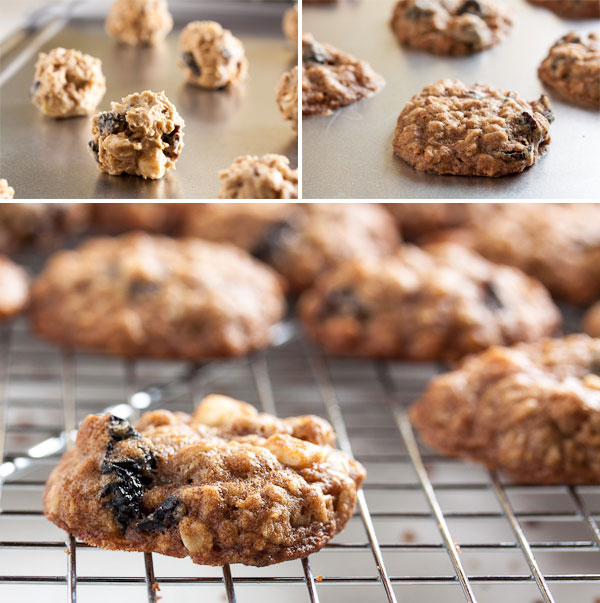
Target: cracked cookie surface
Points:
x,y
14,288
453,27
139,22
571,9
532,410
224,485
478,130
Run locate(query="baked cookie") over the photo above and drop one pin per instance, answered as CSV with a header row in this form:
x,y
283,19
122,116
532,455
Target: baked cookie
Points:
x,y
452,128
67,83
592,320
286,97
532,410
266,177
299,241
332,79
6,192
14,289
225,485
116,218
139,22
153,296
572,69
571,9
142,136
290,24
212,57
452,27
441,302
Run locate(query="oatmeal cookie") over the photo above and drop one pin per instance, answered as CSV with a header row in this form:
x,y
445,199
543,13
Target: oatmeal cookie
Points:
x,y
332,79
152,296
592,320
453,27
225,485
212,57
67,83
142,136
6,192
116,218
139,22
441,302
572,69
286,97
451,128
266,177
571,9
14,289
532,410
290,24
300,241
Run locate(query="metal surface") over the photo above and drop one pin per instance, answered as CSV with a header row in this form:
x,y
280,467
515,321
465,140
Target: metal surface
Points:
x,y
349,154
46,158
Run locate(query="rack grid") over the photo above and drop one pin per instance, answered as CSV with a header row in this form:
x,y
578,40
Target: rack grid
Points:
x,y
426,527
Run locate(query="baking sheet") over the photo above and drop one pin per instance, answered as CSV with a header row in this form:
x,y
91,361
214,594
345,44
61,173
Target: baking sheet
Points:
x,y
349,154
46,158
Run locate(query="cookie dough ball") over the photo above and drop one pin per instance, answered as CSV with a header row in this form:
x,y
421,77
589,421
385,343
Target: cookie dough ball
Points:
x,y
452,128
287,97
592,320
67,83
452,27
572,69
139,22
142,136
14,289
572,9
290,24
212,57
6,192
266,177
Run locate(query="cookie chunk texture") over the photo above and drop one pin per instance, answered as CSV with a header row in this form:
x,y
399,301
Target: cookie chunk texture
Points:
x,y
67,83
572,69
6,191
532,410
437,303
14,288
153,296
287,97
572,9
212,57
453,27
290,24
139,22
266,177
142,136
224,485
332,79
452,128
592,320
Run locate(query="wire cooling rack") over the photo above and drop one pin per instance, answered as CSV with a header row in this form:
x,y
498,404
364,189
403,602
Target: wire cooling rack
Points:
x,y
426,528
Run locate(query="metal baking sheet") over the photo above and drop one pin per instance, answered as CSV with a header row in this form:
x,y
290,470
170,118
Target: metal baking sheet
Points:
x,y
349,154
46,158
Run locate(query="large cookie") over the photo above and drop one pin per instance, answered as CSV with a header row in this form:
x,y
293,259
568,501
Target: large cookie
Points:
x,y
225,485
571,9
14,289
116,218
532,411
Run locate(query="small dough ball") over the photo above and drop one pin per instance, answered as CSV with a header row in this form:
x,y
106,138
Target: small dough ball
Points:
x,y
287,97
211,56
6,192
266,177
290,24
139,22
67,83
142,135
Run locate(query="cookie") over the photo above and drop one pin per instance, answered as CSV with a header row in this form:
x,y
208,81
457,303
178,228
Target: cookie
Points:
x,y
299,241
225,485
572,69
211,57
142,136
290,24
571,9
332,79
452,128
14,289
286,97
592,320
152,296
117,218
532,411
266,177
139,22
441,302
6,192
453,27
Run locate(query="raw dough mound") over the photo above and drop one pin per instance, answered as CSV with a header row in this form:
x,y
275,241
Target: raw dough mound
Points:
x,y
142,135
14,288
211,56
225,485
290,24
572,9
287,97
266,177
67,83
139,22
6,192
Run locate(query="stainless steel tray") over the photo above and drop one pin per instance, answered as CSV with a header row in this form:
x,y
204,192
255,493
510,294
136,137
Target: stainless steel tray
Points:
x,y
349,154
45,158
